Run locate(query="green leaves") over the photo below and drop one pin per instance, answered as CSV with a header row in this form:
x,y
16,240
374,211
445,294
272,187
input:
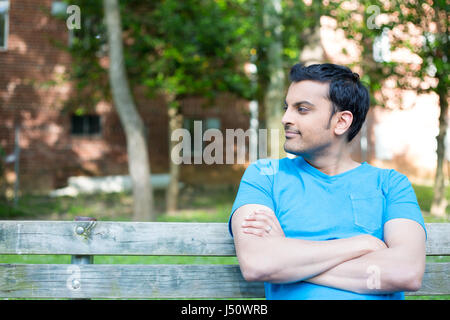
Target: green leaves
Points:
x,y
189,47
408,22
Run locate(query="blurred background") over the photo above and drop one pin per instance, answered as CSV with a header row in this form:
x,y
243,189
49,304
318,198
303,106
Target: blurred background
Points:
x,y
90,95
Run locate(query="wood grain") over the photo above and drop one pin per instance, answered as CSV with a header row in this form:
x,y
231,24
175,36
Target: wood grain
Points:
x,y
154,281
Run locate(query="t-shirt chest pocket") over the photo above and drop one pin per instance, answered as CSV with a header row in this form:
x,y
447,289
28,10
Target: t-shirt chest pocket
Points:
x,y
367,210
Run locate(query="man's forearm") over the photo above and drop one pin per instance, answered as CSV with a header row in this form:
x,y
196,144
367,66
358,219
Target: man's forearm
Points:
x,y
380,272
284,260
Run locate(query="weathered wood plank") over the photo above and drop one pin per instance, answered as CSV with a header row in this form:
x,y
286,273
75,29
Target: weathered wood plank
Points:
x,y
125,281
143,238
115,238
154,281
436,280
438,239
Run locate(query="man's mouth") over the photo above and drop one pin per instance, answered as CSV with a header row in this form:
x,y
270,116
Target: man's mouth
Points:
x,y
291,133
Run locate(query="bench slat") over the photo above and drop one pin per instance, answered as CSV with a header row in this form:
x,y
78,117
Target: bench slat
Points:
x,y
436,280
115,238
438,239
154,281
143,238
126,281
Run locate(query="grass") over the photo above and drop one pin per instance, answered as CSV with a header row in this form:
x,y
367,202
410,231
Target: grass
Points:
x,y
425,197
199,204
196,205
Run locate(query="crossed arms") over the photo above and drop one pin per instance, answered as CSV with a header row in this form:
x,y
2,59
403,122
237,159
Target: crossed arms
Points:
x,y
345,264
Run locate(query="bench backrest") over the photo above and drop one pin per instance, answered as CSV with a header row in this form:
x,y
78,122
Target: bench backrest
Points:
x,y
84,239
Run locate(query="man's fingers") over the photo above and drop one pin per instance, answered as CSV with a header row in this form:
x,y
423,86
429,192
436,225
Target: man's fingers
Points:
x,y
255,231
255,224
267,214
258,217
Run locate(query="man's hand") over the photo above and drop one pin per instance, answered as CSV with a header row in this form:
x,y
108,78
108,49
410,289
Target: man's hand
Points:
x,y
262,223
370,242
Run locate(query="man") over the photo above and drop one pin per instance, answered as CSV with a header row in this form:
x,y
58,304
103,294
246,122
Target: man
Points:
x,y
322,226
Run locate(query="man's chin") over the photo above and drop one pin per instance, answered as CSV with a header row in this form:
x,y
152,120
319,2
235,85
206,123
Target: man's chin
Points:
x,y
296,152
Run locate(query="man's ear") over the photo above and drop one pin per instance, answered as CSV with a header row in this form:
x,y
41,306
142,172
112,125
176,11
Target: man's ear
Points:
x,y
344,121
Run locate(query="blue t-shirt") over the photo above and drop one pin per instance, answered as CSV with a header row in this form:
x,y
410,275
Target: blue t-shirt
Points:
x,y
312,205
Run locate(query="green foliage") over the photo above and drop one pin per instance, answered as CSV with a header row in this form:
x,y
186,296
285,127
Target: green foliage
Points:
x,y
185,48
421,27
87,47
297,21
425,198
182,48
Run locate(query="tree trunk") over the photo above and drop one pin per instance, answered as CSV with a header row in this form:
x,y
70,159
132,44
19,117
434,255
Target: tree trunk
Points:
x,y
439,204
275,93
175,122
138,161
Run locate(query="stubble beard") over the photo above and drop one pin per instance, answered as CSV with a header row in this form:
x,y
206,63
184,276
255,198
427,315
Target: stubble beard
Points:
x,y
298,150
293,148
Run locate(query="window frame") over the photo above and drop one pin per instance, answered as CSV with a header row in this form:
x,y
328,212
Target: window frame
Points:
x,y
6,30
205,126
86,126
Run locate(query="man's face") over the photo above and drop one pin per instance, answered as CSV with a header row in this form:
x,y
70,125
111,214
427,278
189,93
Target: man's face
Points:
x,y
306,119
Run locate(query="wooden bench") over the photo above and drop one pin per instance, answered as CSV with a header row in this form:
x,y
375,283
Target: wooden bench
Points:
x,y
85,239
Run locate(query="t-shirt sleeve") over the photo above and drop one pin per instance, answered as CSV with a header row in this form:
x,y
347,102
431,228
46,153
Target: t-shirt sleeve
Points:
x,y
402,200
255,187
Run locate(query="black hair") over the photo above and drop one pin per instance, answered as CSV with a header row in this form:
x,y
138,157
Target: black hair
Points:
x,y
346,91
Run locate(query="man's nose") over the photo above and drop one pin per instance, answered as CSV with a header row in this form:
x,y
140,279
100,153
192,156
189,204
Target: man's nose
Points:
x,y
287,117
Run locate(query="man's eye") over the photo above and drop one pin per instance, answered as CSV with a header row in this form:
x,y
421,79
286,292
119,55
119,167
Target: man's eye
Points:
x,y
302,109
285,107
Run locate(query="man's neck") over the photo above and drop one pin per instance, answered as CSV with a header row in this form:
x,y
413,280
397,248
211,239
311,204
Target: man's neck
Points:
x,y
332,165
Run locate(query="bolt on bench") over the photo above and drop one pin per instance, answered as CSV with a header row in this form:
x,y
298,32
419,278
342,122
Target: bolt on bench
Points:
x,y
84,280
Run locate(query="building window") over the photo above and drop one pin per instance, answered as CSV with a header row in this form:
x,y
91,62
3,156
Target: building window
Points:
x,y
59,8
201,126
85,125
4,24
213,123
